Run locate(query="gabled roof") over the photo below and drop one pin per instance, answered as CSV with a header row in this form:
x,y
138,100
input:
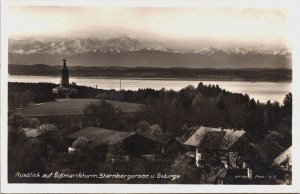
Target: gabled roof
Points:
x,y
179,139
222,173
198,136
214,137
99,136
33,132
156,139
162,139
284,157
231,137
29,132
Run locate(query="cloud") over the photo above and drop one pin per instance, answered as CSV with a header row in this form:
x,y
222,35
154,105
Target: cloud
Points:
x,y
168,25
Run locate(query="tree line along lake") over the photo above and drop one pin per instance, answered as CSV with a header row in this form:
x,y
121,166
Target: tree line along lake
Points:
x,y
262,91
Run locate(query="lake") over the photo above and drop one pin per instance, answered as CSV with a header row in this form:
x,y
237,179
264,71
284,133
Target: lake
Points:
x,y
262,91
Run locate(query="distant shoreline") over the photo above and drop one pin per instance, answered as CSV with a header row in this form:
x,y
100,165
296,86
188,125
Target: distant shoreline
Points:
x,y
153,73
162,78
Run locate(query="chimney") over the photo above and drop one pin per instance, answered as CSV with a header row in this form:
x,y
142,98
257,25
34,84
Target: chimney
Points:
x,y
198,157
249,173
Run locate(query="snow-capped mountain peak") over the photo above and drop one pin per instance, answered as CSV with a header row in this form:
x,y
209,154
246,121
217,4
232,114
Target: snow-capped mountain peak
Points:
x,y
71,47
208,51
239,50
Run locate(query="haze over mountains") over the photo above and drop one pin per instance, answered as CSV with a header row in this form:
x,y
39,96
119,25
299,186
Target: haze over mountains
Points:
x,y
127,52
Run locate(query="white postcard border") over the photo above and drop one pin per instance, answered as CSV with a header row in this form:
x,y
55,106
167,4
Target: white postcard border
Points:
x,y
294,30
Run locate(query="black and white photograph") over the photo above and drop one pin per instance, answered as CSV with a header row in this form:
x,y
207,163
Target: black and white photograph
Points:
x,y
149,95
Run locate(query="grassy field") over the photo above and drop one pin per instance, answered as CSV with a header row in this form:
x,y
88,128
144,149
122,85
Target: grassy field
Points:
x,y
71,107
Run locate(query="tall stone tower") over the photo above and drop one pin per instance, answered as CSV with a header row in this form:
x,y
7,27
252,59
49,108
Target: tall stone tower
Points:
x,y
64,74
65,89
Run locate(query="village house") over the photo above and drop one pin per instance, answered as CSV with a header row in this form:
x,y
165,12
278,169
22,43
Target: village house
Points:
x,y
207,139
283,166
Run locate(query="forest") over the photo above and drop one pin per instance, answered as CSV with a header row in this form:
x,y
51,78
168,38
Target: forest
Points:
x,y
166,112
207,105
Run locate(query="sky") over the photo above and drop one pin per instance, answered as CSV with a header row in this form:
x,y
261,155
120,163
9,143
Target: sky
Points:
x,y
185,28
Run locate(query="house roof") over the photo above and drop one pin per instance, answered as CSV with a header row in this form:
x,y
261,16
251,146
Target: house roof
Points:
x,y
179,139
29,132
232,136
99,136
163,139
35,132
222,173
198,136
153,138
284,157
214,137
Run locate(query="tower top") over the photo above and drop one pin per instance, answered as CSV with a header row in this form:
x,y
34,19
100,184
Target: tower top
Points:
x,y
64,74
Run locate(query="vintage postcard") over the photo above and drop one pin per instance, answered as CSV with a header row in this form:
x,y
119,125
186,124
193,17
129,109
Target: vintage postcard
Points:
x,y
161,95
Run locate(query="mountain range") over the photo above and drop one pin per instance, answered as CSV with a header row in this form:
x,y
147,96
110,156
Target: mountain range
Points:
x,y
127,52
